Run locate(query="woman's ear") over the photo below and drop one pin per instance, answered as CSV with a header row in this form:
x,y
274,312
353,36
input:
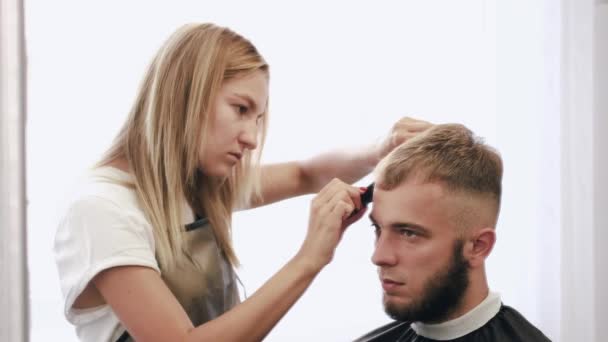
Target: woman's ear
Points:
x,y
479,246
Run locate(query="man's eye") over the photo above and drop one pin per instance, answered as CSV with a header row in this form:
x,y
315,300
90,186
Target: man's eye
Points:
x,y
408,233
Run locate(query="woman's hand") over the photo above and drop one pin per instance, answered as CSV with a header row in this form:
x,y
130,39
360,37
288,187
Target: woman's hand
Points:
x,y
337,206
402,131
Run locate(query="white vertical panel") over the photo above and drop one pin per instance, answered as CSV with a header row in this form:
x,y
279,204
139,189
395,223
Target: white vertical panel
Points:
x,y
578,277
600,144
548,235
13,275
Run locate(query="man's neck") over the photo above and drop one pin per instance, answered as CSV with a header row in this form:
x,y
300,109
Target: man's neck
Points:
x,y
463,325
476,292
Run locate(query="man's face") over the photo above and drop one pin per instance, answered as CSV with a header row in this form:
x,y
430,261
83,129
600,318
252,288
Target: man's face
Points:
x,y
418,252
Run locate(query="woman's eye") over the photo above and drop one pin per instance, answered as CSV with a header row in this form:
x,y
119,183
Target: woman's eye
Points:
x,y
376,229
241,109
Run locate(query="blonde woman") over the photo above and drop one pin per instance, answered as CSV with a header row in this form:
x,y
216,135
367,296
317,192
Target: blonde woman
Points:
x,y
144,251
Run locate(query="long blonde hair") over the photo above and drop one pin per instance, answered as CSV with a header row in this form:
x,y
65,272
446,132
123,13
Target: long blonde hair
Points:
x,y
168,123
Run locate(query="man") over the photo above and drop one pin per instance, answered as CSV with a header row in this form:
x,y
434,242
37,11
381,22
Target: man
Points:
x,y
436,203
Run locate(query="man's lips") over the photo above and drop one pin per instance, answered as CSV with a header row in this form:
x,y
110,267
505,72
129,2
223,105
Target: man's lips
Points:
x,y
390,285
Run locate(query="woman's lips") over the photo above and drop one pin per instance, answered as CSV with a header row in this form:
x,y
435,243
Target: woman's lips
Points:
x,y
235,155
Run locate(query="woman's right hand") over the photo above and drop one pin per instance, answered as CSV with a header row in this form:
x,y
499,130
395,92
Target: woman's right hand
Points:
x,y
330,215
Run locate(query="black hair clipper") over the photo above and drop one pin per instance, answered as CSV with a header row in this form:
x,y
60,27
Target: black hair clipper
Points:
x,y
366,198
368,195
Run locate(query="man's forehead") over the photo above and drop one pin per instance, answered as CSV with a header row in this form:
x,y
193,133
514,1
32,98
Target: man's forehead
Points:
x,y
411,189
426,204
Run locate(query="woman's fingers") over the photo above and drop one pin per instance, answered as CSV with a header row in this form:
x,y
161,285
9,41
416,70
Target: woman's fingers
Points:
x,y
402,131
330,210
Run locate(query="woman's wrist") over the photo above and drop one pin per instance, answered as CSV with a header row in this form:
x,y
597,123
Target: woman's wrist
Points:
x,y
306,265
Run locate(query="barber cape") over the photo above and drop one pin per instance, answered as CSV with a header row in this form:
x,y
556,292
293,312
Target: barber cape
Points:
x,y
490,321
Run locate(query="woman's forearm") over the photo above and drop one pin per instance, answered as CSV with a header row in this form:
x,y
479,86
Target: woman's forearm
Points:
x,y
347,165
290,179
256,316
253,319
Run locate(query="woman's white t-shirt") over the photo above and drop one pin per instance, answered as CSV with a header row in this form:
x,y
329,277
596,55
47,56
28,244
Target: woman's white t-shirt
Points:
x,y
105,227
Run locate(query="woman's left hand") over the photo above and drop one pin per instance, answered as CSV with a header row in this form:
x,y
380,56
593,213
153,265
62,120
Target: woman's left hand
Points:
x,y
403,130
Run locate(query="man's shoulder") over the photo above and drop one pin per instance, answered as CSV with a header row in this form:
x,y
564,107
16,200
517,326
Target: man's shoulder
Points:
x,y
388,332
510,320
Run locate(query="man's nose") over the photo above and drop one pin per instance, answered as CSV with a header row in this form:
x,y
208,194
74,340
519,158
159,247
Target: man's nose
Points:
x,y
384,253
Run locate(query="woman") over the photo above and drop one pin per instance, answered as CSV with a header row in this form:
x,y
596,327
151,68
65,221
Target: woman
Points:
x,y
130,262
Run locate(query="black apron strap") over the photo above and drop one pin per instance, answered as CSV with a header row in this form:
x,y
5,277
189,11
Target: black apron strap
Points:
x,y
124,337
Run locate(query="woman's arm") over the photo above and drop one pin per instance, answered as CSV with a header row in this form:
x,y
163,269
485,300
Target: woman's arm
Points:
x,y
150,312
286,180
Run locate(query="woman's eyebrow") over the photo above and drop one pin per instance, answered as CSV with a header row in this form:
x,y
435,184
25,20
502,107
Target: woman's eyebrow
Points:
x,y
249,100
371,218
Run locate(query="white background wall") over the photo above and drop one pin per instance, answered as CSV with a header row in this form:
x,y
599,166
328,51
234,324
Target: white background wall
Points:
x,y
584,164
341,74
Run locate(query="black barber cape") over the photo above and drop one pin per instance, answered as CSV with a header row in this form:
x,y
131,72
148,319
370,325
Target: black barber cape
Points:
x,y
491,321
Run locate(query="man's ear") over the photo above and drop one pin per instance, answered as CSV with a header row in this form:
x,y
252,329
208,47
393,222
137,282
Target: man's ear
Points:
x,y
479,246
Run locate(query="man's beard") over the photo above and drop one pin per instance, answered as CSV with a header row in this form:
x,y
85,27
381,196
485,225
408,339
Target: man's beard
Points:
x,y
442,293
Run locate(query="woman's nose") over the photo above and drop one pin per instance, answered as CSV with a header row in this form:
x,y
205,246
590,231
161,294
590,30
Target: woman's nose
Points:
x,y
249,136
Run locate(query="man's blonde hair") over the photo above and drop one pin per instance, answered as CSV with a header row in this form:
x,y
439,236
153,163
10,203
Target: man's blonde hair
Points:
x,y
448,154
168,123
